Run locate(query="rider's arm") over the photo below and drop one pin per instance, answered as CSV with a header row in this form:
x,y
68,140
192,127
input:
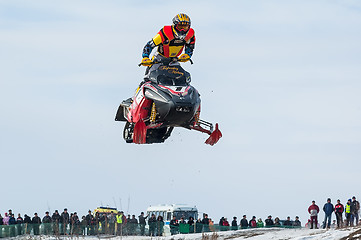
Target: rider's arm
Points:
x,y
189,47
151,44
148,48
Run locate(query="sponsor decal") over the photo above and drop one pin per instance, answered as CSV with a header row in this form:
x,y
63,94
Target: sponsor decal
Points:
x,y
172,70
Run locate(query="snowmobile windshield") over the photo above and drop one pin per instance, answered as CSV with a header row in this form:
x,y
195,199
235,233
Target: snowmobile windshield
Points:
x,y
169,81
172,76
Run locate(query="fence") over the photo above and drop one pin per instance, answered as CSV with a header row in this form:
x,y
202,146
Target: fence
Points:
x,y
154,229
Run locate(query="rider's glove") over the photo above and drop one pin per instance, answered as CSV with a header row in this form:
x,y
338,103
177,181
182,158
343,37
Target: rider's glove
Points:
x,y
184,58
146,62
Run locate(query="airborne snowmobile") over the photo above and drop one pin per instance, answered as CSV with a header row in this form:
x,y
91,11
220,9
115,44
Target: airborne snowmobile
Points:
x,y
164,101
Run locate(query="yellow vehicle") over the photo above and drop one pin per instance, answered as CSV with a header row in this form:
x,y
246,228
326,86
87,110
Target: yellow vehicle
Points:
x,y
105,210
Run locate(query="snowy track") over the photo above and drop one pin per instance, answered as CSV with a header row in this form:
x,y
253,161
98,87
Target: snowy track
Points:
x,y
249,234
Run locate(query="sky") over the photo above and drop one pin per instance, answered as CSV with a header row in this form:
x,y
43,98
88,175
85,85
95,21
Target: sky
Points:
x,y
280,77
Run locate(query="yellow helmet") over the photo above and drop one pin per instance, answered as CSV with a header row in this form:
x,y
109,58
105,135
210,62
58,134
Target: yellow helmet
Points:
x,y
182,19
182,23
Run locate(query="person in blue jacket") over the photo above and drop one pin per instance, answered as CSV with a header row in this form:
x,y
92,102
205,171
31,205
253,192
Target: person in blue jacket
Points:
x,y
328,209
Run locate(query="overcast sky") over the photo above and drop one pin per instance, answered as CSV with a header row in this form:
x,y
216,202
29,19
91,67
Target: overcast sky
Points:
x,y
282,79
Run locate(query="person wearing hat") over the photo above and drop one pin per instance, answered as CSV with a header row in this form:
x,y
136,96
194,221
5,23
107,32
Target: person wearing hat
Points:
x,y
348,213
288,222
260,223
328,209
64,221
142,223
234,224
338,211
47,223
355,208
269,222
313,210
36,221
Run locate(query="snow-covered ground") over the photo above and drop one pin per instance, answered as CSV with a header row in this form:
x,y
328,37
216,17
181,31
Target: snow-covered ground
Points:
x,y
249,234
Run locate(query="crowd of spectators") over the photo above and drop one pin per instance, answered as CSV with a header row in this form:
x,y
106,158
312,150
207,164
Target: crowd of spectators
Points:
x,y
117,223
350,219
207,224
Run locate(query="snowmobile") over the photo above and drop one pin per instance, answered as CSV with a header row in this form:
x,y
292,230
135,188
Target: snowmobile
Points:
x,y
163,101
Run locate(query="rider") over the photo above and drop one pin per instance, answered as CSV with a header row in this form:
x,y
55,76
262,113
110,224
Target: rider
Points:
x,y
170,41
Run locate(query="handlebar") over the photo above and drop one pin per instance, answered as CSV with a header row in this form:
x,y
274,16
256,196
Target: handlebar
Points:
x,y
166,61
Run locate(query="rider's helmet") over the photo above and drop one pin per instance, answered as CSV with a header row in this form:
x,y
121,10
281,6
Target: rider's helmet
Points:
x,y
182,23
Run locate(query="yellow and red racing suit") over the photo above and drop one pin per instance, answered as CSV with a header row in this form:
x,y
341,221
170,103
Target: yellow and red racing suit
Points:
x,y
169,44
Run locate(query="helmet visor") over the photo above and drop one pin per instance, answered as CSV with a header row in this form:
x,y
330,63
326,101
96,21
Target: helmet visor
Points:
x,y
182,26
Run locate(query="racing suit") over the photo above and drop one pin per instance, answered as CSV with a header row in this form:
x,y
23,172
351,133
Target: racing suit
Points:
x,y
169,45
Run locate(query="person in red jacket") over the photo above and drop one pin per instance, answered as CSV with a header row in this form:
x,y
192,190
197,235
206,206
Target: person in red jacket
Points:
x,y
313,210
338,211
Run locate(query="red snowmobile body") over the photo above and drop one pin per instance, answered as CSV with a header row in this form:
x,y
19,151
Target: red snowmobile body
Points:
x,y
166,100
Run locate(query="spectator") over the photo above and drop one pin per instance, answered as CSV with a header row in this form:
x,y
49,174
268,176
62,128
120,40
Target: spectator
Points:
x,y
6,219
64,221
288,222
112,221
313,210
160,225
103,220
89,220
126,225
47,223
328,209
225,224
260,223
142,223
244,222
95,223
234,223
133,223
27,219
12,220
253,222
199,226
84,225
211,226
277,222
297,222
1,220
75,222
152,225
355,208
220,224
191,225
205,223
348,213
36,221
338,211
269,221
174,226
19,222
182,221
56,220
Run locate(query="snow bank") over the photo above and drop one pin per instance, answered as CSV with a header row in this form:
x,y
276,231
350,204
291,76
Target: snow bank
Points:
x,y
249,234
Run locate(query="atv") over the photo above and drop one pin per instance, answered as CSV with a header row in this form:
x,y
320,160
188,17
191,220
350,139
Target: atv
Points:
x,y
163,101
